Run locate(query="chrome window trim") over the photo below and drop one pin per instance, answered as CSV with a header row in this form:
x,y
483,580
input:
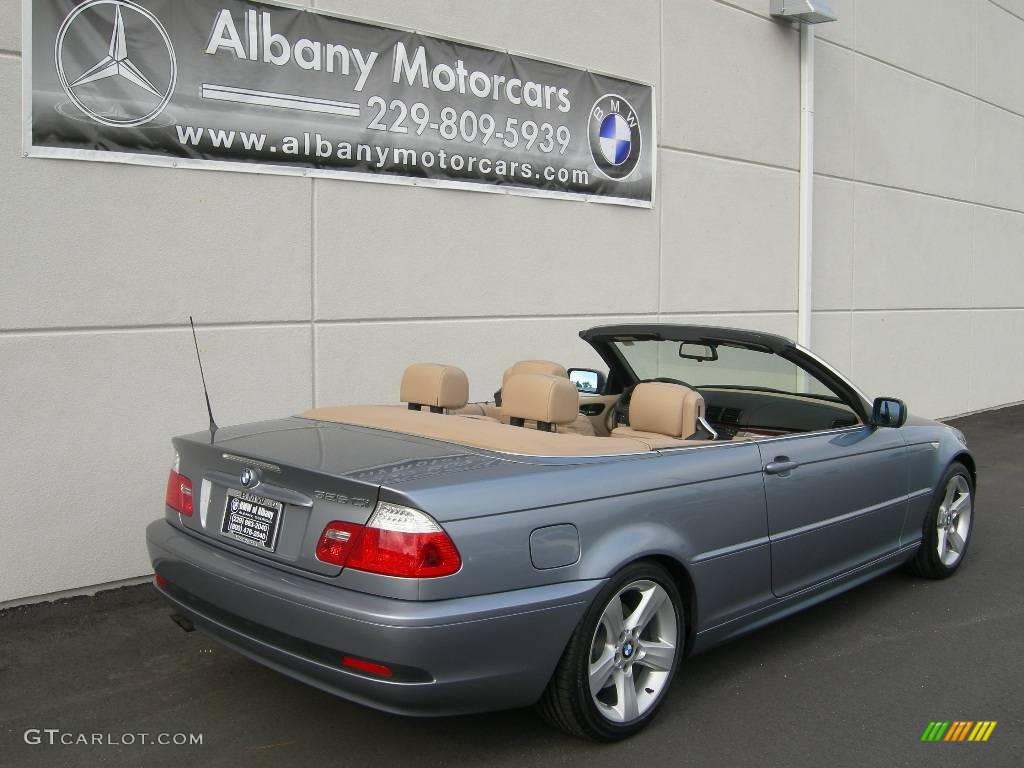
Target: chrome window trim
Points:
x,y
765,439
831,369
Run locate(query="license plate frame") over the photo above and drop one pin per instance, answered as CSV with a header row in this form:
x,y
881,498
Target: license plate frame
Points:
x,y
244,519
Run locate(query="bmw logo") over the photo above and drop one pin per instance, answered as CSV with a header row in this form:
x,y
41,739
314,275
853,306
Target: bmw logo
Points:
x,y
627,650
615,141
249,477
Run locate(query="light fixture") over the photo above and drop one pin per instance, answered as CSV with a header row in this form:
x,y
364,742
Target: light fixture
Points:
x,y
807,11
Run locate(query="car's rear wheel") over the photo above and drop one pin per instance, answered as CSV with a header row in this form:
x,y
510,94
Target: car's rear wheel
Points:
x,y
615,672
947,527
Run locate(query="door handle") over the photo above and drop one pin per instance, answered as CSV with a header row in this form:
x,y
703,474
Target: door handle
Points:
x,y
781,465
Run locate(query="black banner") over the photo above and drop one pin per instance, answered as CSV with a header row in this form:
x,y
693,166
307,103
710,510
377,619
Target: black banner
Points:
x,y
260,87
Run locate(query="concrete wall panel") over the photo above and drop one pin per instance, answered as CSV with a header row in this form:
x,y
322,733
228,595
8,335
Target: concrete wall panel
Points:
x,y
10,29
833,110
911,250
731,83
911,34
999,79
729,235
386,251
998,256
911,133
833,243
999,157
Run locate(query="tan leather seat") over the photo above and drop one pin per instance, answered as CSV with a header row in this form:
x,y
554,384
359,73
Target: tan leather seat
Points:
x,y
545,367
661,414
437,386
550,401
493,409
581,425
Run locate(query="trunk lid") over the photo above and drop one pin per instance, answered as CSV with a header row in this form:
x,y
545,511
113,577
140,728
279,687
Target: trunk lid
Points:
x,y
298,476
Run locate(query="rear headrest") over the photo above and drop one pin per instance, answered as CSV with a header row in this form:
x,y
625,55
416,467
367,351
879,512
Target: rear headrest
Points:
x,y
439,386
667,409
540,398
545,367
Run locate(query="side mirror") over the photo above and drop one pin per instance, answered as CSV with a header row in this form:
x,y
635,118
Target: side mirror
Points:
x,y
888,412
587,380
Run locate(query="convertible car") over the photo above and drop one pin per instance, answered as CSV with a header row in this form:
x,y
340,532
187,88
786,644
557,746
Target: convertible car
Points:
x,y
567,544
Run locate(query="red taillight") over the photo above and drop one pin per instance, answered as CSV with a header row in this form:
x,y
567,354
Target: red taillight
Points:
x,y
396,541
179,493
160,580
366,666
336,542
397,553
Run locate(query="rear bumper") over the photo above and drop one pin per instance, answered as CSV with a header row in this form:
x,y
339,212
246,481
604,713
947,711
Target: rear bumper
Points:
x,y
457,656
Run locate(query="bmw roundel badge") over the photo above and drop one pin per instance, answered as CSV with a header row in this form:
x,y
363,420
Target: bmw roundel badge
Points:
x,y
248,477
615,140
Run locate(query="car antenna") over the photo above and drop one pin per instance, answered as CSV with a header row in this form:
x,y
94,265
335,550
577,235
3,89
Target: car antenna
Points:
x,y
209,410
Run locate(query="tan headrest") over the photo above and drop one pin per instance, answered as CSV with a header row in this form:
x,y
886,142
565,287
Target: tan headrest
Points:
x,y
545,367
667,409
537,397
440,386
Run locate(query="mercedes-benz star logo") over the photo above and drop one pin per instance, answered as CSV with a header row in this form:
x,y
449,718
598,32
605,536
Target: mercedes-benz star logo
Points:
x,y
117,64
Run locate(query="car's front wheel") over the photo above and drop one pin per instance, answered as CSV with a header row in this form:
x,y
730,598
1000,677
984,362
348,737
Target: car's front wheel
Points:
x,y
947,528
616,670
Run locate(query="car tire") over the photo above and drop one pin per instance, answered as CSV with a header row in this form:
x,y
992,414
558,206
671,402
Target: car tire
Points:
x,y
641,658
947,526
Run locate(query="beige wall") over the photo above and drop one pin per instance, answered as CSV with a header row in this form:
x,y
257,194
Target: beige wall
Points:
x,y
919,282
919,241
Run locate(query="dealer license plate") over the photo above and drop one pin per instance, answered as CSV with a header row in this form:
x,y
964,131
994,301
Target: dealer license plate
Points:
x,y
251,519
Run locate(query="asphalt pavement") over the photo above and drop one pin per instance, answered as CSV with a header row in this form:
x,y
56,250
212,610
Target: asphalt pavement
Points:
x,y
852,682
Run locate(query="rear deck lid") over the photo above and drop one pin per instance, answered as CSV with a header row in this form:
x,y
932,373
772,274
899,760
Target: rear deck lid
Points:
x,y
269,489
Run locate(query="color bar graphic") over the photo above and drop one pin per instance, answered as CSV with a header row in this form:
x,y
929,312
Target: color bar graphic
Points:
x,y
279,100
958,730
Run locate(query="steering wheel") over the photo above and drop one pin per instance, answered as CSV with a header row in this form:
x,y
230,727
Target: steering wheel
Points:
x,y
621,409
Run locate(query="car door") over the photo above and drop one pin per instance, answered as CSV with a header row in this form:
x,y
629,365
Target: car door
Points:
x,y
836,499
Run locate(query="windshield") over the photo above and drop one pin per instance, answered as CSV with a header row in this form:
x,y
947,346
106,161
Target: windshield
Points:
x,y
720,366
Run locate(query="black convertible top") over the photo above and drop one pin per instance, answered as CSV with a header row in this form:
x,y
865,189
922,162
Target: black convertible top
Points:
x,y
703,334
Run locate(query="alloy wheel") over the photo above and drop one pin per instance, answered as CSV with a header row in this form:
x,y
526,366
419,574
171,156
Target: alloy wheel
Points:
x,y
633,651
953,523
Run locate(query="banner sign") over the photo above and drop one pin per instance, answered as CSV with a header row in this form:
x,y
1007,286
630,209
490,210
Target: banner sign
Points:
x,y
262,87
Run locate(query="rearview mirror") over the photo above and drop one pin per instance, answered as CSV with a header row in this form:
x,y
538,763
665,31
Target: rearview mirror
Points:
x,y
888,412
702,353
587,380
